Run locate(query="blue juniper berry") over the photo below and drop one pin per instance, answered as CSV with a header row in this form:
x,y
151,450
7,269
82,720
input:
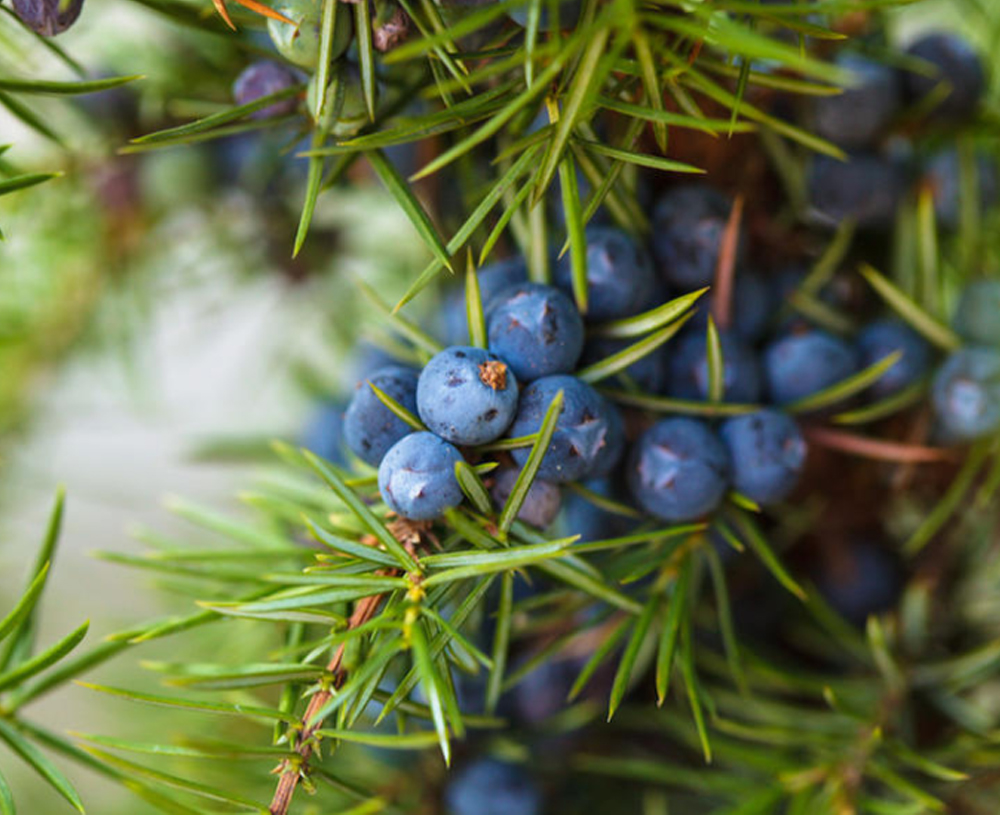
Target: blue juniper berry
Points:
x,y
689,371
582,430
536,329
942,175
688,225
867,187
493,278
541,505
957,66
804,363
679,470
620,278
48,17
263,78
467,395
492,787
858,116
767,453
881,338
966,393
324,433
977,317
370,428
417,477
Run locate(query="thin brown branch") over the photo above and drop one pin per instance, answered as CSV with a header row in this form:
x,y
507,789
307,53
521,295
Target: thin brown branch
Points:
x,y
865,447
725,269
291,771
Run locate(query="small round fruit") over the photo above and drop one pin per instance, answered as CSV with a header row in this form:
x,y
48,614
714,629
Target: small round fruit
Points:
x,y
536,329
943,175
582,432
884,337
370,428
610,455
352,114
977,317
263,78
650,373
467,395
48,17
689,371
491,787
688,225
679,470
867,187
417,477
799,365
585,518
860,579
966,393
767,453
958,66
752,309
541,504
858,116
324,433
493,278
620,278
299,42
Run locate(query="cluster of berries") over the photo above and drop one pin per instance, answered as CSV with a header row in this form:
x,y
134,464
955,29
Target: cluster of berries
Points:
x,y
679,468
940,88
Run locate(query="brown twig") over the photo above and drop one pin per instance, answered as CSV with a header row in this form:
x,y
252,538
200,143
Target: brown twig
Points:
x,y
725,269
291,771
865,447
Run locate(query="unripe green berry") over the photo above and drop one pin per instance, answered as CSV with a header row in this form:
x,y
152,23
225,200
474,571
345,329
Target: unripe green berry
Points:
x,y
300,43
352,114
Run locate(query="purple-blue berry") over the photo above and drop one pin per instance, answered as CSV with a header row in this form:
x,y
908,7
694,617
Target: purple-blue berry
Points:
x,y
491,787
370,428
859,580
324,433
417,477
261,79
679,470
753,306
881,338
610,455
802,364
688,225
620,277
48,17
943,176
858,116
867,187
689,370
966,393
651,373
582,433
957,66
467,395
585,518
536,329
541,504
767,453
493,278
977,317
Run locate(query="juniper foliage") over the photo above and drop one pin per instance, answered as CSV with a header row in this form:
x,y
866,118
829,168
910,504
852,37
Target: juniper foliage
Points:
x,y
358,636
